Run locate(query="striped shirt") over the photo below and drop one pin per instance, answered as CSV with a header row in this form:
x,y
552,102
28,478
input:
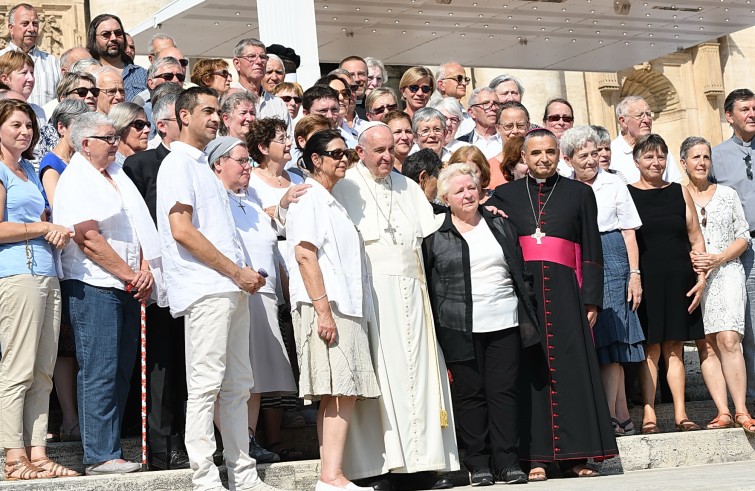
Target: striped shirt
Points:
x,y
46,74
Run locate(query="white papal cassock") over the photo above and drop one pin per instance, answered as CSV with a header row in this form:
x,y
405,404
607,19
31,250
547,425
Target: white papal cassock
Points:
x,y
401,431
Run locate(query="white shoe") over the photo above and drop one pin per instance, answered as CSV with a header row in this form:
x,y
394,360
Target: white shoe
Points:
x,y
321,486
258,486
353,487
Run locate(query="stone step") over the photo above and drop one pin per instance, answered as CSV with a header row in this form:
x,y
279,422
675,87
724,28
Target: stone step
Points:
x,y
701,412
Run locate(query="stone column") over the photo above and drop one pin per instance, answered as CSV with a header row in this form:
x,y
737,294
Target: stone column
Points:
x,y
709,85
292,24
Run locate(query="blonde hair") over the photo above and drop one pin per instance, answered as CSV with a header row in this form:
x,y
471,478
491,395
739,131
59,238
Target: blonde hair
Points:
x,y
414,75
454,170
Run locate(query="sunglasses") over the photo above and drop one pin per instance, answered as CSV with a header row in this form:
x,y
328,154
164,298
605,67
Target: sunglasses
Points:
x,y
83,91
748,166
459,79
555,117
222,73
112,92
140,124
289,98
426,89
704,214
386,108
336,154
108,34
168,77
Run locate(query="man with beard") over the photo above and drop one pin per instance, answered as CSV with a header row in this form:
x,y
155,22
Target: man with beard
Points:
x,y
106,41
23,27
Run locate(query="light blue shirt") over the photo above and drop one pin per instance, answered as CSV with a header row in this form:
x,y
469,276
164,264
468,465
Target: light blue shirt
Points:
x,y
24,203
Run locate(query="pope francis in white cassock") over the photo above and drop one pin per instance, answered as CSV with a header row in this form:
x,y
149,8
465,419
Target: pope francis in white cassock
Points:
x,y
410,427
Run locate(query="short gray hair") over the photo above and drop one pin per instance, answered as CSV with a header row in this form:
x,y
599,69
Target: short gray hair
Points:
x,y
12,12
425,115
159,37
622,107
602,135
278,59
229,103
67,111
238,50
160,64
476,93
454,170
374,62
106,69
165,107
440,73
124,114
450,104
507,78
690,142
67,54
84,65
85,125
576,138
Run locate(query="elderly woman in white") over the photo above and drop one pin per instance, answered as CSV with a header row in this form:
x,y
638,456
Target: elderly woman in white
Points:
x,y
618,333
107,271
331,303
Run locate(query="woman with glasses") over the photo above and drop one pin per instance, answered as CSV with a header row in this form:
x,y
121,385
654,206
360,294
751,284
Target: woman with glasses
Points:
x,y
672,291
331,306
74,85
416,87
238,110
30,293
212,73
106,274
453,111
429,128
512,120
380,102
291,94
727,236
558,117
132,127
340,83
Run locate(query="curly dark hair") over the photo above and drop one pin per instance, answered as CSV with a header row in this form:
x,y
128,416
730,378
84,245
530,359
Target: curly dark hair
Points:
x,y
262,132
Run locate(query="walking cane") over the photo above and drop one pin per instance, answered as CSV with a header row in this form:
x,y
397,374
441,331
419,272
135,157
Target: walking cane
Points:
x,y
143,345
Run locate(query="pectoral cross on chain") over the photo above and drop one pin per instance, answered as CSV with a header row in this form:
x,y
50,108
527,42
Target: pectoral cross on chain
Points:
x,y
242,207
538,236
391,231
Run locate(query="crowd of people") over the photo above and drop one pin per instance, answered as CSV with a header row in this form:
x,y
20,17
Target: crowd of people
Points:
x,y
444,284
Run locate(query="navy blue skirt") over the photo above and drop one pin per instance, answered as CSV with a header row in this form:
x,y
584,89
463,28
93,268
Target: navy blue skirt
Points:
x,y
618,333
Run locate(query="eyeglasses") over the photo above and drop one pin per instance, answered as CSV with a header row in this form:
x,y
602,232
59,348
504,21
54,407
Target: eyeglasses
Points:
x,y
253,58
414,88
748,166
459,79
643,115
108,34
168,119
565,117
139,124
382,109
184,62
283,139
345,92
337,154
703,213
83,91
222,73
289,98
486,105
435,129
168,77
511,126
453,120
243,162
109,139
112,92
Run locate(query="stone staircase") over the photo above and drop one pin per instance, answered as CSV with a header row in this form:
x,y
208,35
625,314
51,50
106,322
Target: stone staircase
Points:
x,y
637,453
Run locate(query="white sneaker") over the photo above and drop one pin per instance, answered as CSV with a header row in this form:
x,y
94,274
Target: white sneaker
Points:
x,y
104,468
259,486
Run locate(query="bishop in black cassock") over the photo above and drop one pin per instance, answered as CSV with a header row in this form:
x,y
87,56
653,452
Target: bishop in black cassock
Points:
x,y
563,409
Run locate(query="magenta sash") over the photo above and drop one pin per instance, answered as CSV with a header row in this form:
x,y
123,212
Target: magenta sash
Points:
x,y
554,250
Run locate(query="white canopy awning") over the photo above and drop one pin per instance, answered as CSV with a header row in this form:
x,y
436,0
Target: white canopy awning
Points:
x,y
584,35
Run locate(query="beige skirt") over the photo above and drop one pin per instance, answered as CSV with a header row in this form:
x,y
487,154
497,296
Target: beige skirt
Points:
x,y
344,369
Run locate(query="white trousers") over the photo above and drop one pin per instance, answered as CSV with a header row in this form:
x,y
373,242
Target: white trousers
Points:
x,y
217,363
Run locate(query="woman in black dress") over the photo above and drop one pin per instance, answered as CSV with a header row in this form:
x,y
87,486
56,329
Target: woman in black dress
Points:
x,y
669,311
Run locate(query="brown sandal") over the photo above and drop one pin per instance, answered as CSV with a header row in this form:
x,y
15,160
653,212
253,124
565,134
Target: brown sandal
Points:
x,y
687,425
23,470
650,428
746,424
57,470
717,424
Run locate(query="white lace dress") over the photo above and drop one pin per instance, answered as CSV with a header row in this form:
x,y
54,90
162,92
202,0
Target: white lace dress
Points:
x,y
725,296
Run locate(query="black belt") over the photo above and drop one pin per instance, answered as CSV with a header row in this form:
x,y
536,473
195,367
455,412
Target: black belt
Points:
x,y
752,233
280,238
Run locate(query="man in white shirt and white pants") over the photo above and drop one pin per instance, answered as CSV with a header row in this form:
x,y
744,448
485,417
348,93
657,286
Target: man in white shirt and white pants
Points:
x,y
207,282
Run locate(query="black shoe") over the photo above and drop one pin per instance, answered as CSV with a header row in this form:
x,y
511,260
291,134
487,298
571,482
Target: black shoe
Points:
x,y
443,482
164,461
261,455
482,477
512,475
378,483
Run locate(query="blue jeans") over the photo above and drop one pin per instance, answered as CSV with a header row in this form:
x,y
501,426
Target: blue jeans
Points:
x,y
105,324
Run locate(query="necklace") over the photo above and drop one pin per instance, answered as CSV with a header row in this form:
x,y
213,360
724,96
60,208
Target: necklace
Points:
x,y
389,229
272,174
237,201
539,234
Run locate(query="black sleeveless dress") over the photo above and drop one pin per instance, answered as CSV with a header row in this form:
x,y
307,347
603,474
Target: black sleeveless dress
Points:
x,y
666,267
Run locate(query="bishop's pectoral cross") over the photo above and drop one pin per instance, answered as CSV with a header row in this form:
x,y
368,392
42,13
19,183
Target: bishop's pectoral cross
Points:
x,y
242,207
538,235
391,231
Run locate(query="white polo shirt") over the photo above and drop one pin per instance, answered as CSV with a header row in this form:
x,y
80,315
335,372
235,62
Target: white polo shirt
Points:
x,y
185,177
616,210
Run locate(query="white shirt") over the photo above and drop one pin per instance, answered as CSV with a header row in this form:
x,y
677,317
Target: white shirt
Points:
x,y
323,222
445,153
185,177
622,161
46,74
494,302
616,210
489,145
258,239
